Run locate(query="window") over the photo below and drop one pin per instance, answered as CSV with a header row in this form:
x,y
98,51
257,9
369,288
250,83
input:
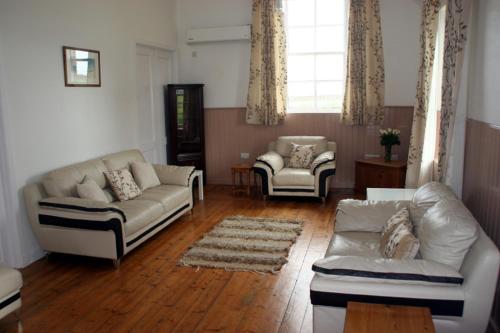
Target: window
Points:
x,y
316,46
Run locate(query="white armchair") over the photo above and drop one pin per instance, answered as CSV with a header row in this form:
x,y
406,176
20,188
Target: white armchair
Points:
x,y
280,180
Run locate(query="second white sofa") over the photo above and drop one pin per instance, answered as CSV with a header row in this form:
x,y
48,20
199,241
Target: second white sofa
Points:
x,y
65,223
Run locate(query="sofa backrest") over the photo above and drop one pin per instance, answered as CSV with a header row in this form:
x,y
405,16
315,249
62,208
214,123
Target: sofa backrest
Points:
x,y
62,182
283,144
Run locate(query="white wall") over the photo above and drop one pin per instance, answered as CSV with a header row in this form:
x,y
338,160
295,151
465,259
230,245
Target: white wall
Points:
x,y
224,67
48,125
485,68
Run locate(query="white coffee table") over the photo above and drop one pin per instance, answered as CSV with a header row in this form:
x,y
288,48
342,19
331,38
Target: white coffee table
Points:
x,y
389,194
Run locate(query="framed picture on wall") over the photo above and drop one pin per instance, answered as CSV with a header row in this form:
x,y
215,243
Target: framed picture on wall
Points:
x,y
82,67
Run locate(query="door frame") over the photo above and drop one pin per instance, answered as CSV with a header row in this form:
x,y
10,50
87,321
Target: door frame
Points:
x,y
172,69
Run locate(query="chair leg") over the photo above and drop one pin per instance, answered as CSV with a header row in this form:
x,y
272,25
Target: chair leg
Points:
x,y
20,328
116,263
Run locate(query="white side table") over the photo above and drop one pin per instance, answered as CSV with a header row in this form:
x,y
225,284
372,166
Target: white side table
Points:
x,y
199,174
389,194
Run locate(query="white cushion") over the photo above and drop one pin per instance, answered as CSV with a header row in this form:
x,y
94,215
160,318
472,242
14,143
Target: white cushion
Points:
x,y
446,233
362,269
89,189
293,177
425,197
144,175
365,215
284,144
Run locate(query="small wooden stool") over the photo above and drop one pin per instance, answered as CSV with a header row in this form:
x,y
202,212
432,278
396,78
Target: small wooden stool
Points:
x,y
241,170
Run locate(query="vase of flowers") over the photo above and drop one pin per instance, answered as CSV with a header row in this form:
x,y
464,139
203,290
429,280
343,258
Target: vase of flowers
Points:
x,y
388,138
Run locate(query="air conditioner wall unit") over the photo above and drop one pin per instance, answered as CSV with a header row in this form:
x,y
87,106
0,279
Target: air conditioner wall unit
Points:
x,y
222,34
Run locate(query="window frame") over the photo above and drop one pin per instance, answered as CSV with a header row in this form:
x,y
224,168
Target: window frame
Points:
x,y
315,80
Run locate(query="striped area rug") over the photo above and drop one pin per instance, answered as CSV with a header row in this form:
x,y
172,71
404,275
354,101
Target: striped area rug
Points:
x,y
241,243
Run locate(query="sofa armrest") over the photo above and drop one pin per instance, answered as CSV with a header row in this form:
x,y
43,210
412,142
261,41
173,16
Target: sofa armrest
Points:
x,y
326,158
384,270
365,215
272,160
409,284
173,174
76,208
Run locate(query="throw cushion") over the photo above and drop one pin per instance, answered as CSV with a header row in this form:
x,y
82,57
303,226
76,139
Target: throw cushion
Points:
x,y
145,175
90,190
447,232
123,184
301,156
401,217
425,197
402,244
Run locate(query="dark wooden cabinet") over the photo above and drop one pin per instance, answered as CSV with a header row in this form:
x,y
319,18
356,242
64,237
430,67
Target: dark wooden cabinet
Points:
x,y
185,125
379,174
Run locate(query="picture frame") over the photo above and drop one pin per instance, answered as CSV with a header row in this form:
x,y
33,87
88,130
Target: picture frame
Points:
x,y
82,67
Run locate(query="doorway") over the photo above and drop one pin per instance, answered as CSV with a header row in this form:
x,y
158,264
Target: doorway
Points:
x,y
154,70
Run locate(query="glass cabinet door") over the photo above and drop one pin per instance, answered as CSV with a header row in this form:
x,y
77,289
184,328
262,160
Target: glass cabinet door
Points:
x,y
188,122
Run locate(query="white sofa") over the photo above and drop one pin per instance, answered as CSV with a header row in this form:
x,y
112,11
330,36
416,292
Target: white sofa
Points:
x,y
454,274
65,223
280,180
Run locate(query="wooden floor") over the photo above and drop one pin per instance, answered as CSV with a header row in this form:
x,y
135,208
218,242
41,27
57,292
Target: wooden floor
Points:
x,y
149,293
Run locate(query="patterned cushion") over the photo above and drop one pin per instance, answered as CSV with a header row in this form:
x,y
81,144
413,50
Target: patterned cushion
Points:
x,y
402,244
401,217
123,184
301,156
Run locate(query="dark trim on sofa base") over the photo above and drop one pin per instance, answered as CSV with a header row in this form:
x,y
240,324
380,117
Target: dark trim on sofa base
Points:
x,y
438,307
114,225
145,233
266,164
5,303
303,190
263,176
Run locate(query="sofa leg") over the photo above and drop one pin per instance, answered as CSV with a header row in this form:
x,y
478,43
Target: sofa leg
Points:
x,y
323,200
20,328
116,263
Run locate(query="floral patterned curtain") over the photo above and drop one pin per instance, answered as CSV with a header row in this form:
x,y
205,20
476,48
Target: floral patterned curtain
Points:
x,y
365,78
429,25
457,15
266,101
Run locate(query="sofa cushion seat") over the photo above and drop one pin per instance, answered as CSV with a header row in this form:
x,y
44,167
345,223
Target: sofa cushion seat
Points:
x,y
355,243
293,177
10,281
170,196
139,213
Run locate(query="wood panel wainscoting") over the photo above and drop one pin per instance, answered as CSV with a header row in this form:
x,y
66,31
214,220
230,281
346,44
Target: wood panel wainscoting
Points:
x,y
481,187
227,135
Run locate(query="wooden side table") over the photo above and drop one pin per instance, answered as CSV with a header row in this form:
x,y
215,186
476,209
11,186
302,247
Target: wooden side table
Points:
x,y
374,318
241,171
375,172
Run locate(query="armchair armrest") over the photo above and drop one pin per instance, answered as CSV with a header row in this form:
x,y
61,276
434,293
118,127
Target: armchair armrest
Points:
x,y
365,215
272,160
326,159
73,208
173,174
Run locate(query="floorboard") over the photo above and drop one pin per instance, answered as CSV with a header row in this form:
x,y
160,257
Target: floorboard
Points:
x,y
150,293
